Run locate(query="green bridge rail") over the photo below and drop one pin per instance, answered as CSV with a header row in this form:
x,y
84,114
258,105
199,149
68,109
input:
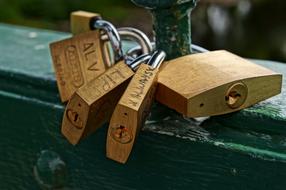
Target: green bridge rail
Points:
x,y
243,150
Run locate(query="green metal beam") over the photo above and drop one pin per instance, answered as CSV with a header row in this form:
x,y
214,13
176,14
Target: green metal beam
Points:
x,y
244,150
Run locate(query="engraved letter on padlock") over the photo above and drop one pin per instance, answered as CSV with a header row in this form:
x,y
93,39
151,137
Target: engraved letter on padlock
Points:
x,y
80,59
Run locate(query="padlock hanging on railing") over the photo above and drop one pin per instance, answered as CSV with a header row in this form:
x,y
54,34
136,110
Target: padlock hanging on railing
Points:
x,y
214,83
132,109
79,59
83,57
92,104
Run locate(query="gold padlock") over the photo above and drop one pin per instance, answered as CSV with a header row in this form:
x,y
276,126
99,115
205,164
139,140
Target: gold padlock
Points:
x,y
214,83
92,105
132,109
79,59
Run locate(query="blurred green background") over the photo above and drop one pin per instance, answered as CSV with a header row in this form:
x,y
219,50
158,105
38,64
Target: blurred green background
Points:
x,y
250,28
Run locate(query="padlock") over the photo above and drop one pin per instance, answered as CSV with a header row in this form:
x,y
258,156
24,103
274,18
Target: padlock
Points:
x,y
79,59
92,104
132,109
214,83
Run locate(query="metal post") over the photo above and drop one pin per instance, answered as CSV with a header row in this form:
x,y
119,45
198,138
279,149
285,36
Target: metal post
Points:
x,y
172,25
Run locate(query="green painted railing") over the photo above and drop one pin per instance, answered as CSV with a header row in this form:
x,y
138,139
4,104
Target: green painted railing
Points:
x,y
243,150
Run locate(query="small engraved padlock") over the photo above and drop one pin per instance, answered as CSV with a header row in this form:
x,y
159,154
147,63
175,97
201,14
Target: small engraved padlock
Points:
x,y
80,59
132,109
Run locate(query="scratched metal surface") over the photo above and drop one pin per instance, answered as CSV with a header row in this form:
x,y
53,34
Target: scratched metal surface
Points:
x,y
236,151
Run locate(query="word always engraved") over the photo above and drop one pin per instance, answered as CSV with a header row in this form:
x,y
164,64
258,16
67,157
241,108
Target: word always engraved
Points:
x,y
130,113
92,105
77,60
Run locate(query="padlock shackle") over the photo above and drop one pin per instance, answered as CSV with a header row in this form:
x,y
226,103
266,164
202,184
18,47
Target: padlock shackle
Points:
x,y
113,36
157,59
133,34
134,64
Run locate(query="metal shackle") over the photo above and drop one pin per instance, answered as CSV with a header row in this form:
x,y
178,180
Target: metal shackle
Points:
x,y
134,64
156,59
129,33
133,34
112,35
137,50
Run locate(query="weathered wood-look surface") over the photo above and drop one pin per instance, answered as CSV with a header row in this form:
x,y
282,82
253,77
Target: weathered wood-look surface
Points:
x,y
243,150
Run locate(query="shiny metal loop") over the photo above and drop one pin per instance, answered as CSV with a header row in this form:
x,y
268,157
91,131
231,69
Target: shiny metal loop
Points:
x,y
112,35
198,49
132,34
134,64
137,50
157,59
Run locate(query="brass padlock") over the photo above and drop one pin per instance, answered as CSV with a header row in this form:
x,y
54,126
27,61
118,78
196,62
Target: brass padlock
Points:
x,y
132,109
79,59
214,83
92,104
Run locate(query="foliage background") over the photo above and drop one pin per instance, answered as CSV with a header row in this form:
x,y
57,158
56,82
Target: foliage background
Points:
x,y
250,28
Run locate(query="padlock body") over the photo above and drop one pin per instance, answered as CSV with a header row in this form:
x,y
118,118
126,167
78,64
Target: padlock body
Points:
x,y
130,113
93,103
214,83
77,61
81,21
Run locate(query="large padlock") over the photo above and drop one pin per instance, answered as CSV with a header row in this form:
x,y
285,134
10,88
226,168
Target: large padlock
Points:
x,y
92,104
132,109
214,83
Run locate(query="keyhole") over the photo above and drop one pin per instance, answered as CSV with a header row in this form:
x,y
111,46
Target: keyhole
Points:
x,y
121,134
74,118
236,95
232,97
122,130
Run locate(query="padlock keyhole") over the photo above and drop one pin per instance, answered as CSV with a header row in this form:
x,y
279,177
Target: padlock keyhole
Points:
x,y
121,134
76,117
122,131
232,97
236,95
